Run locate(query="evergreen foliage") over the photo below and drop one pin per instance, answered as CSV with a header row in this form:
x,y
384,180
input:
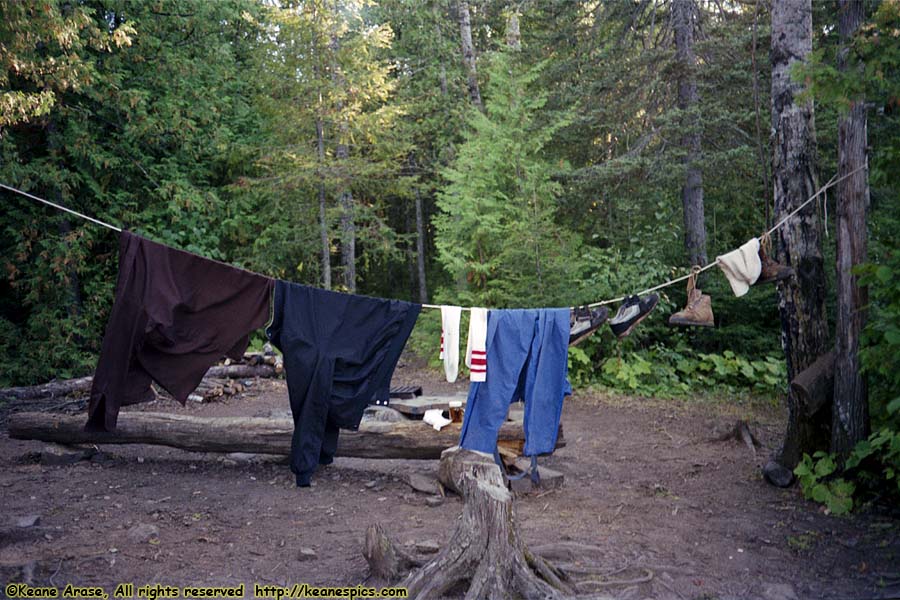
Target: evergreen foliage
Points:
x,y
198,125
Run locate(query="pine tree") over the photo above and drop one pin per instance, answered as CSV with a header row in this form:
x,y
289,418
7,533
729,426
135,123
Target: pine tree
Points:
x,y
497,226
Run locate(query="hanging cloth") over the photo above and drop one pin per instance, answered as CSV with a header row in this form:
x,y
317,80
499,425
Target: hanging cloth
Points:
x,y
476,350
527,350
340,351
175,315
742,266
450,341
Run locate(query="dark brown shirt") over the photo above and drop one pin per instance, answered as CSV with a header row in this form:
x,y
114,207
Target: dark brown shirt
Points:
x,y
174,316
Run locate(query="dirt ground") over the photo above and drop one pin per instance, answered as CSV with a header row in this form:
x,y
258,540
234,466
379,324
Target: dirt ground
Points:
x,y
648,501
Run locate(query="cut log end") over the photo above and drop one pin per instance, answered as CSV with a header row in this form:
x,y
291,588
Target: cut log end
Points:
x,y
485,551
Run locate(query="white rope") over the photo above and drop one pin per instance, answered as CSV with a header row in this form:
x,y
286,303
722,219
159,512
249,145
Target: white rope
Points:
x,y
831,182
63,208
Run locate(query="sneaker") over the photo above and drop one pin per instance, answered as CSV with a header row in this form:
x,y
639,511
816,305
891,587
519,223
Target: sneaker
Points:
x,y
697,313
772,271
633,311
584,321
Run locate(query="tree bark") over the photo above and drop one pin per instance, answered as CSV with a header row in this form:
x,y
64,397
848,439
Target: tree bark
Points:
x,y
442,76
760,146
850,417
53,389
801,300
320,154
683,12
323,219
420,236
468,53
345,197
420,248
374,439
485,551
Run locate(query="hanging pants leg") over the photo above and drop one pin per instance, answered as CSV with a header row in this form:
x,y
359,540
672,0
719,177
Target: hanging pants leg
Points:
x,y
527,351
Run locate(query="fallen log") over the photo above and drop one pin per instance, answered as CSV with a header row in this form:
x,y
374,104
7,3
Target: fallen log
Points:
x,y
270,366
375,439
53,389
241,371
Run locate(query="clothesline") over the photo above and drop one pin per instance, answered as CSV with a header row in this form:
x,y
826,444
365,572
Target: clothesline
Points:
x,y
60,207
831,182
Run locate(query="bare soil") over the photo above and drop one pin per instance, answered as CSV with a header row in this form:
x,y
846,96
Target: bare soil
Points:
x,y
649,501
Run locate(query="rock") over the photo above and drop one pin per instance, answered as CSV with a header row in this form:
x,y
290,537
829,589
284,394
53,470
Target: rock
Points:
x,y
434,501
371,484
28,521
423,483
307,553
142,533
550,478
243,457
778,591
428,547
777,475
57,454
383,414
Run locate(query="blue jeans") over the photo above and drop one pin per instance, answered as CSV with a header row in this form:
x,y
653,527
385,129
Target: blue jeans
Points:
x,y
527,351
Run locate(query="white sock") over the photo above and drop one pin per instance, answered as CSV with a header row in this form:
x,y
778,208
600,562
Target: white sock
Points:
x,y
476,353
450,341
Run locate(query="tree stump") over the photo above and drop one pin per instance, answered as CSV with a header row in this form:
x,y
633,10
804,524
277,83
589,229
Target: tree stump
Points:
x,y
486,551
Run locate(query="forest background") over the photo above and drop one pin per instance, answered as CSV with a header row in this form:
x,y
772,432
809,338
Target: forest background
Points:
x,y
372,148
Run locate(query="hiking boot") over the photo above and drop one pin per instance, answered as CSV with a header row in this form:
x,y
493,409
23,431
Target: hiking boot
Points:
x,y
584,321
697,313
772,271
633,311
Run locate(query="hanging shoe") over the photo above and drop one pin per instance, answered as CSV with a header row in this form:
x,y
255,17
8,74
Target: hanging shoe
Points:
x,y
584,321
772,271
698,311
633,311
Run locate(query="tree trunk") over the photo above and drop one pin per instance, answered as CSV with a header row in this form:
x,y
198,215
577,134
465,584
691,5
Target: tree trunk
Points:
x,y
323,219
760,146
345,197
442,76
374,439
850,419
420,235
468,52
485,551
683,12
420,248
801,300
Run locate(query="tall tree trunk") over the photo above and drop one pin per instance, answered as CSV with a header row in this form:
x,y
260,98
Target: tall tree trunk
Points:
x,y
348,232
760,146
420,234
323,219
801,300
440,40
316,51
683,12
75,305
345,197
468,52
850,418
420,248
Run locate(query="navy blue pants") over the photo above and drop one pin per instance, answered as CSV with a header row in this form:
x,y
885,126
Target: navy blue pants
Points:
x,y
527,352
340,351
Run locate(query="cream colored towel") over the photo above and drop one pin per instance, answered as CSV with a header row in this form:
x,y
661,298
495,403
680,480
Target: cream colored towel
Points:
x,y
742,266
